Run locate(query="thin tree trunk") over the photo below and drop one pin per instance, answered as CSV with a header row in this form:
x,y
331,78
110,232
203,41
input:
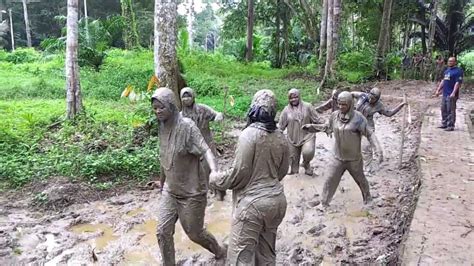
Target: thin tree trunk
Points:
x,y
337,11
276,46
432,28
329,43
406,38
73,86
12,35
381,45
130,33
86,17
423,39
250,21
323,37
190,21
27,23
353,30
165,56
286,42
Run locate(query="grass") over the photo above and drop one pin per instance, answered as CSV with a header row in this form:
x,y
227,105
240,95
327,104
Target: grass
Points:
x,y
114,140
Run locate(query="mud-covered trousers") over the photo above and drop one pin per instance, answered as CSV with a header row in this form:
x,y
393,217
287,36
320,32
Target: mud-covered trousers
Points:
x,y
254,229
307,149
448,111
334,174
190,212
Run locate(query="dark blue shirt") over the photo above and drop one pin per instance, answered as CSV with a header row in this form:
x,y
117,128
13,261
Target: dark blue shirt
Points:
x,y
451,76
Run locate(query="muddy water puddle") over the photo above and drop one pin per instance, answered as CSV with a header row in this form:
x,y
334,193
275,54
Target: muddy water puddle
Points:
x,y
106,234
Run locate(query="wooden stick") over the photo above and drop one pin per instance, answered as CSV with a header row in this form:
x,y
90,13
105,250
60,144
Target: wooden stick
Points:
x,y
226,90
403,130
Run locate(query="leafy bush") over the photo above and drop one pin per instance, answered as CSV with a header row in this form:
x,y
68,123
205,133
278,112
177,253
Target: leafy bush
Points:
x,y
23,55
355,66
466,61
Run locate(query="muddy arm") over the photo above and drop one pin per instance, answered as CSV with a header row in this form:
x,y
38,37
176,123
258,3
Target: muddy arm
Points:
x,y
314,128
324,107
284,164
387,112
238,176
374,142
357,94
211,160
283,121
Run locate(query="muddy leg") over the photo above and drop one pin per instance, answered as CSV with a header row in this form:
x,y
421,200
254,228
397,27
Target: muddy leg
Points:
x,y
334,174
308,150
167,217
191,216
244,236
274,210
295,154
356,170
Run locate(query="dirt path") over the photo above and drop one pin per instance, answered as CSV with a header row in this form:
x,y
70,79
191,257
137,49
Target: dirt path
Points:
x,y
443,223
121,229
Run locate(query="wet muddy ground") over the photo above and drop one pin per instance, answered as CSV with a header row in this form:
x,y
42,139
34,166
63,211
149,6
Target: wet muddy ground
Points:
x,y
120,229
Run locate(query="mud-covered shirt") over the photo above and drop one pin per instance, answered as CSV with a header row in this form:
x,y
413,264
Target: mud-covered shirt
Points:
x,y
293,118
181,151
347,146
261,161
367,109
202,114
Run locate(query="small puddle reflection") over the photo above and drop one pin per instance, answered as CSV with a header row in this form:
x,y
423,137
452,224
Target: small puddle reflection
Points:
x,y
139,258
101,241
135,212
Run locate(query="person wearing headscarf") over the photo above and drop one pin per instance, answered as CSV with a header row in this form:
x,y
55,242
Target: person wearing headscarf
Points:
x,y
259,202
330,104
294,115
369,104
184,194
201,114
348,127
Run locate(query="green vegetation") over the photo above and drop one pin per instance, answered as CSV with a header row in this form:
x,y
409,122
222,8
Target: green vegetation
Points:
x,y
115,140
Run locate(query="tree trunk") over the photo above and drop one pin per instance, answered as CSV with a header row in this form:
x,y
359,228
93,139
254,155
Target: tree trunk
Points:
x,y
381,45
165,56
329,43
323,37
286,41
27,23
86,17
277,36
11,29
423,39
337,11
250,21
73,86
130,33
406,37
190,21
432,28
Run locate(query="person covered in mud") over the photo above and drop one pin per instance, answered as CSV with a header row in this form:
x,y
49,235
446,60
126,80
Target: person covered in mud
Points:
x,y
439,69
369,104
330,104
348,127
259,202
184,194
201,114
450,85
294,115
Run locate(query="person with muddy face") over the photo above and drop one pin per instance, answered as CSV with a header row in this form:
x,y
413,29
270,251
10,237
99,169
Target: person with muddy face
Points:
x,y
296,114
450,86
184,195
201,114
330,104
259,202
348,127
369,104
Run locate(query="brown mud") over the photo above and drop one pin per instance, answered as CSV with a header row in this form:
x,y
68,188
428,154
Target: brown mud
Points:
x,y
119,227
